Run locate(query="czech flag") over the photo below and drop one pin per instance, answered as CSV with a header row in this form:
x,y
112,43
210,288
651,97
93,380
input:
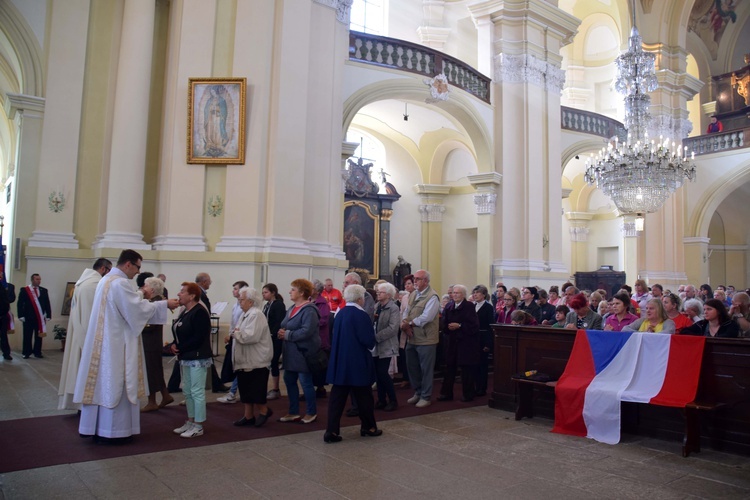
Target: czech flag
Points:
x,y
606,368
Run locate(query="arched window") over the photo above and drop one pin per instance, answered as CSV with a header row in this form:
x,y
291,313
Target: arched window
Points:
x,y
368,16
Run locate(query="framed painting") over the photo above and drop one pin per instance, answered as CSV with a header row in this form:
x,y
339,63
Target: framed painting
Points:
x,y
361,235
68,298
216,121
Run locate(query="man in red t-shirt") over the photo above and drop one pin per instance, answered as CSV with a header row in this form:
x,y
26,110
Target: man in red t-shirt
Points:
x,y
332,295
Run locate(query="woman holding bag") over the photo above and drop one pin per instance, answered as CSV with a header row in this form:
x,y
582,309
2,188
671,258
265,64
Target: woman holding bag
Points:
x,y
299,331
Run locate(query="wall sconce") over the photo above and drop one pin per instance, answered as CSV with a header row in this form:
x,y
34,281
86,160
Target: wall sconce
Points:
x,y
406,112
640,222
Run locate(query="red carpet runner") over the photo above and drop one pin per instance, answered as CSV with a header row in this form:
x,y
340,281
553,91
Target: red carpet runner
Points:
x,y
40,442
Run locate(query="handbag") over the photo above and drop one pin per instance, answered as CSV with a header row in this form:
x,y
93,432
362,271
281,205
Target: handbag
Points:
x,y
227,369
317,361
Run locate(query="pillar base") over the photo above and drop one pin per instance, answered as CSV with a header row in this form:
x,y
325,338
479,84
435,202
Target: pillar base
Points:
x,y
122,241
53,239
180,243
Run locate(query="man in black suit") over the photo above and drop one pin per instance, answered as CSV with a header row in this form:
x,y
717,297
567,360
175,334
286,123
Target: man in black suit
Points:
x,y
34,311
7,296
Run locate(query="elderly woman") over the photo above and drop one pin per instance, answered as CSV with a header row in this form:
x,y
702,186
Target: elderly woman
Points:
x,y
274,311
252,351
716,322
486,316
192,345
387,321
153,290
693,309
351,368
621,315
671,303
299,331
581,316
461,328
655,321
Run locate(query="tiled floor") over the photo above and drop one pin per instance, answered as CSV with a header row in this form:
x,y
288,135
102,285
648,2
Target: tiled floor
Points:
x,y
472,453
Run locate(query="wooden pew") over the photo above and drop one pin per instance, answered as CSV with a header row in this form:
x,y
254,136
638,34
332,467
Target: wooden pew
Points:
x,y
718,418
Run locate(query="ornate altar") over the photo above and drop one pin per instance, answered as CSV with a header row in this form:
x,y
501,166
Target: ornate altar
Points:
x,y
367,220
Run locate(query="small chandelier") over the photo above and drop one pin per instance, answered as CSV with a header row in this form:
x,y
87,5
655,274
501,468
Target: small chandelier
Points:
x,y
637,174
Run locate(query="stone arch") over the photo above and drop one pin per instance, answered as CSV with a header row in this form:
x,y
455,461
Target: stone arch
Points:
x,y
458,106
26,47
712,196
437,165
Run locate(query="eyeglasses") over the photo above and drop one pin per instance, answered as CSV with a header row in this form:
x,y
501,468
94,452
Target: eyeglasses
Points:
x,y
419,279
136,265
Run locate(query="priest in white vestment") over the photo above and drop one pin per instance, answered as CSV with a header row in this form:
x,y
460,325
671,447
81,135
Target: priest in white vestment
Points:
x,y
80,312
111,377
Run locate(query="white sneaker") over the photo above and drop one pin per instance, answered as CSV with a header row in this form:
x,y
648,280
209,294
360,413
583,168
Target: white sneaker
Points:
x,y
423,402
188,424
273,394
194,431
229,398
413,399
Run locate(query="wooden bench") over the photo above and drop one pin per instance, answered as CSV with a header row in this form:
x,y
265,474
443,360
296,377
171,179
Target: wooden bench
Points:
x,y
526,395
691,441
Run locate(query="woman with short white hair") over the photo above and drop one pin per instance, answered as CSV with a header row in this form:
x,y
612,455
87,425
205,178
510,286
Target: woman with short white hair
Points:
x,y
351,368
252,352
387,320
153,345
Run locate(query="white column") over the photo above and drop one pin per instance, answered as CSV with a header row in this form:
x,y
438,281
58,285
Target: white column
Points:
x,y
181,186
485,203
127,163
28,113
58,161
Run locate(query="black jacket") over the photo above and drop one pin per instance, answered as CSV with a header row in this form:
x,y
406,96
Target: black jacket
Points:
x,y
26,307
727,329
192,333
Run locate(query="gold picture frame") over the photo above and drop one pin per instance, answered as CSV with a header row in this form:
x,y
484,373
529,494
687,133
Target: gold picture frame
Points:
x,y
216,121
361,236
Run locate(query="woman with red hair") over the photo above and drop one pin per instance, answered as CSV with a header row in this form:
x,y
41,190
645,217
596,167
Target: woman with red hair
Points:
x,y
581,316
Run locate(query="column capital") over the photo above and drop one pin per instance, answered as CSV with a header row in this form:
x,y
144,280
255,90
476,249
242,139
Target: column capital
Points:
x,y
432,212
579,233
342,8
527,68
27,105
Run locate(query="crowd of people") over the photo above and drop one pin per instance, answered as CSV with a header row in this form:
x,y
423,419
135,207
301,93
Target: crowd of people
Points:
x,y
348,340
688,310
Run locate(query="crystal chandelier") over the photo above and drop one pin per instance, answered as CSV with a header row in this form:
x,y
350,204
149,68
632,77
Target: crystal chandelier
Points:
x,y
638,175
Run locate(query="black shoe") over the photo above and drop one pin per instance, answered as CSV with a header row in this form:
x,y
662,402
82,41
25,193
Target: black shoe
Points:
x,y
26,356
352,412
244,421
444,398
38,356
380,405
261,419
391,406
8,357
221,388
114,441
366,432
330,437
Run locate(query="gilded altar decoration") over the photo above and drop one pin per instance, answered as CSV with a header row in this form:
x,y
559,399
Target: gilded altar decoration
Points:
x,y
439,89
216,120
359,182
215,206
56,201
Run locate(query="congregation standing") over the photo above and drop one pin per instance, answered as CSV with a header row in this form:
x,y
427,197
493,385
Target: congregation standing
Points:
x,y
351,341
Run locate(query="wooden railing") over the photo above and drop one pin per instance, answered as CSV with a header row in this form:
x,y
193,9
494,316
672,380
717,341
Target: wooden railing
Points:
x,y
587,122
406,56
715,143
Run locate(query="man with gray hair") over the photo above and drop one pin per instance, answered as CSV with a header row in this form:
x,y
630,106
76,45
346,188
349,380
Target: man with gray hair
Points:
x,y
421,325
355,279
